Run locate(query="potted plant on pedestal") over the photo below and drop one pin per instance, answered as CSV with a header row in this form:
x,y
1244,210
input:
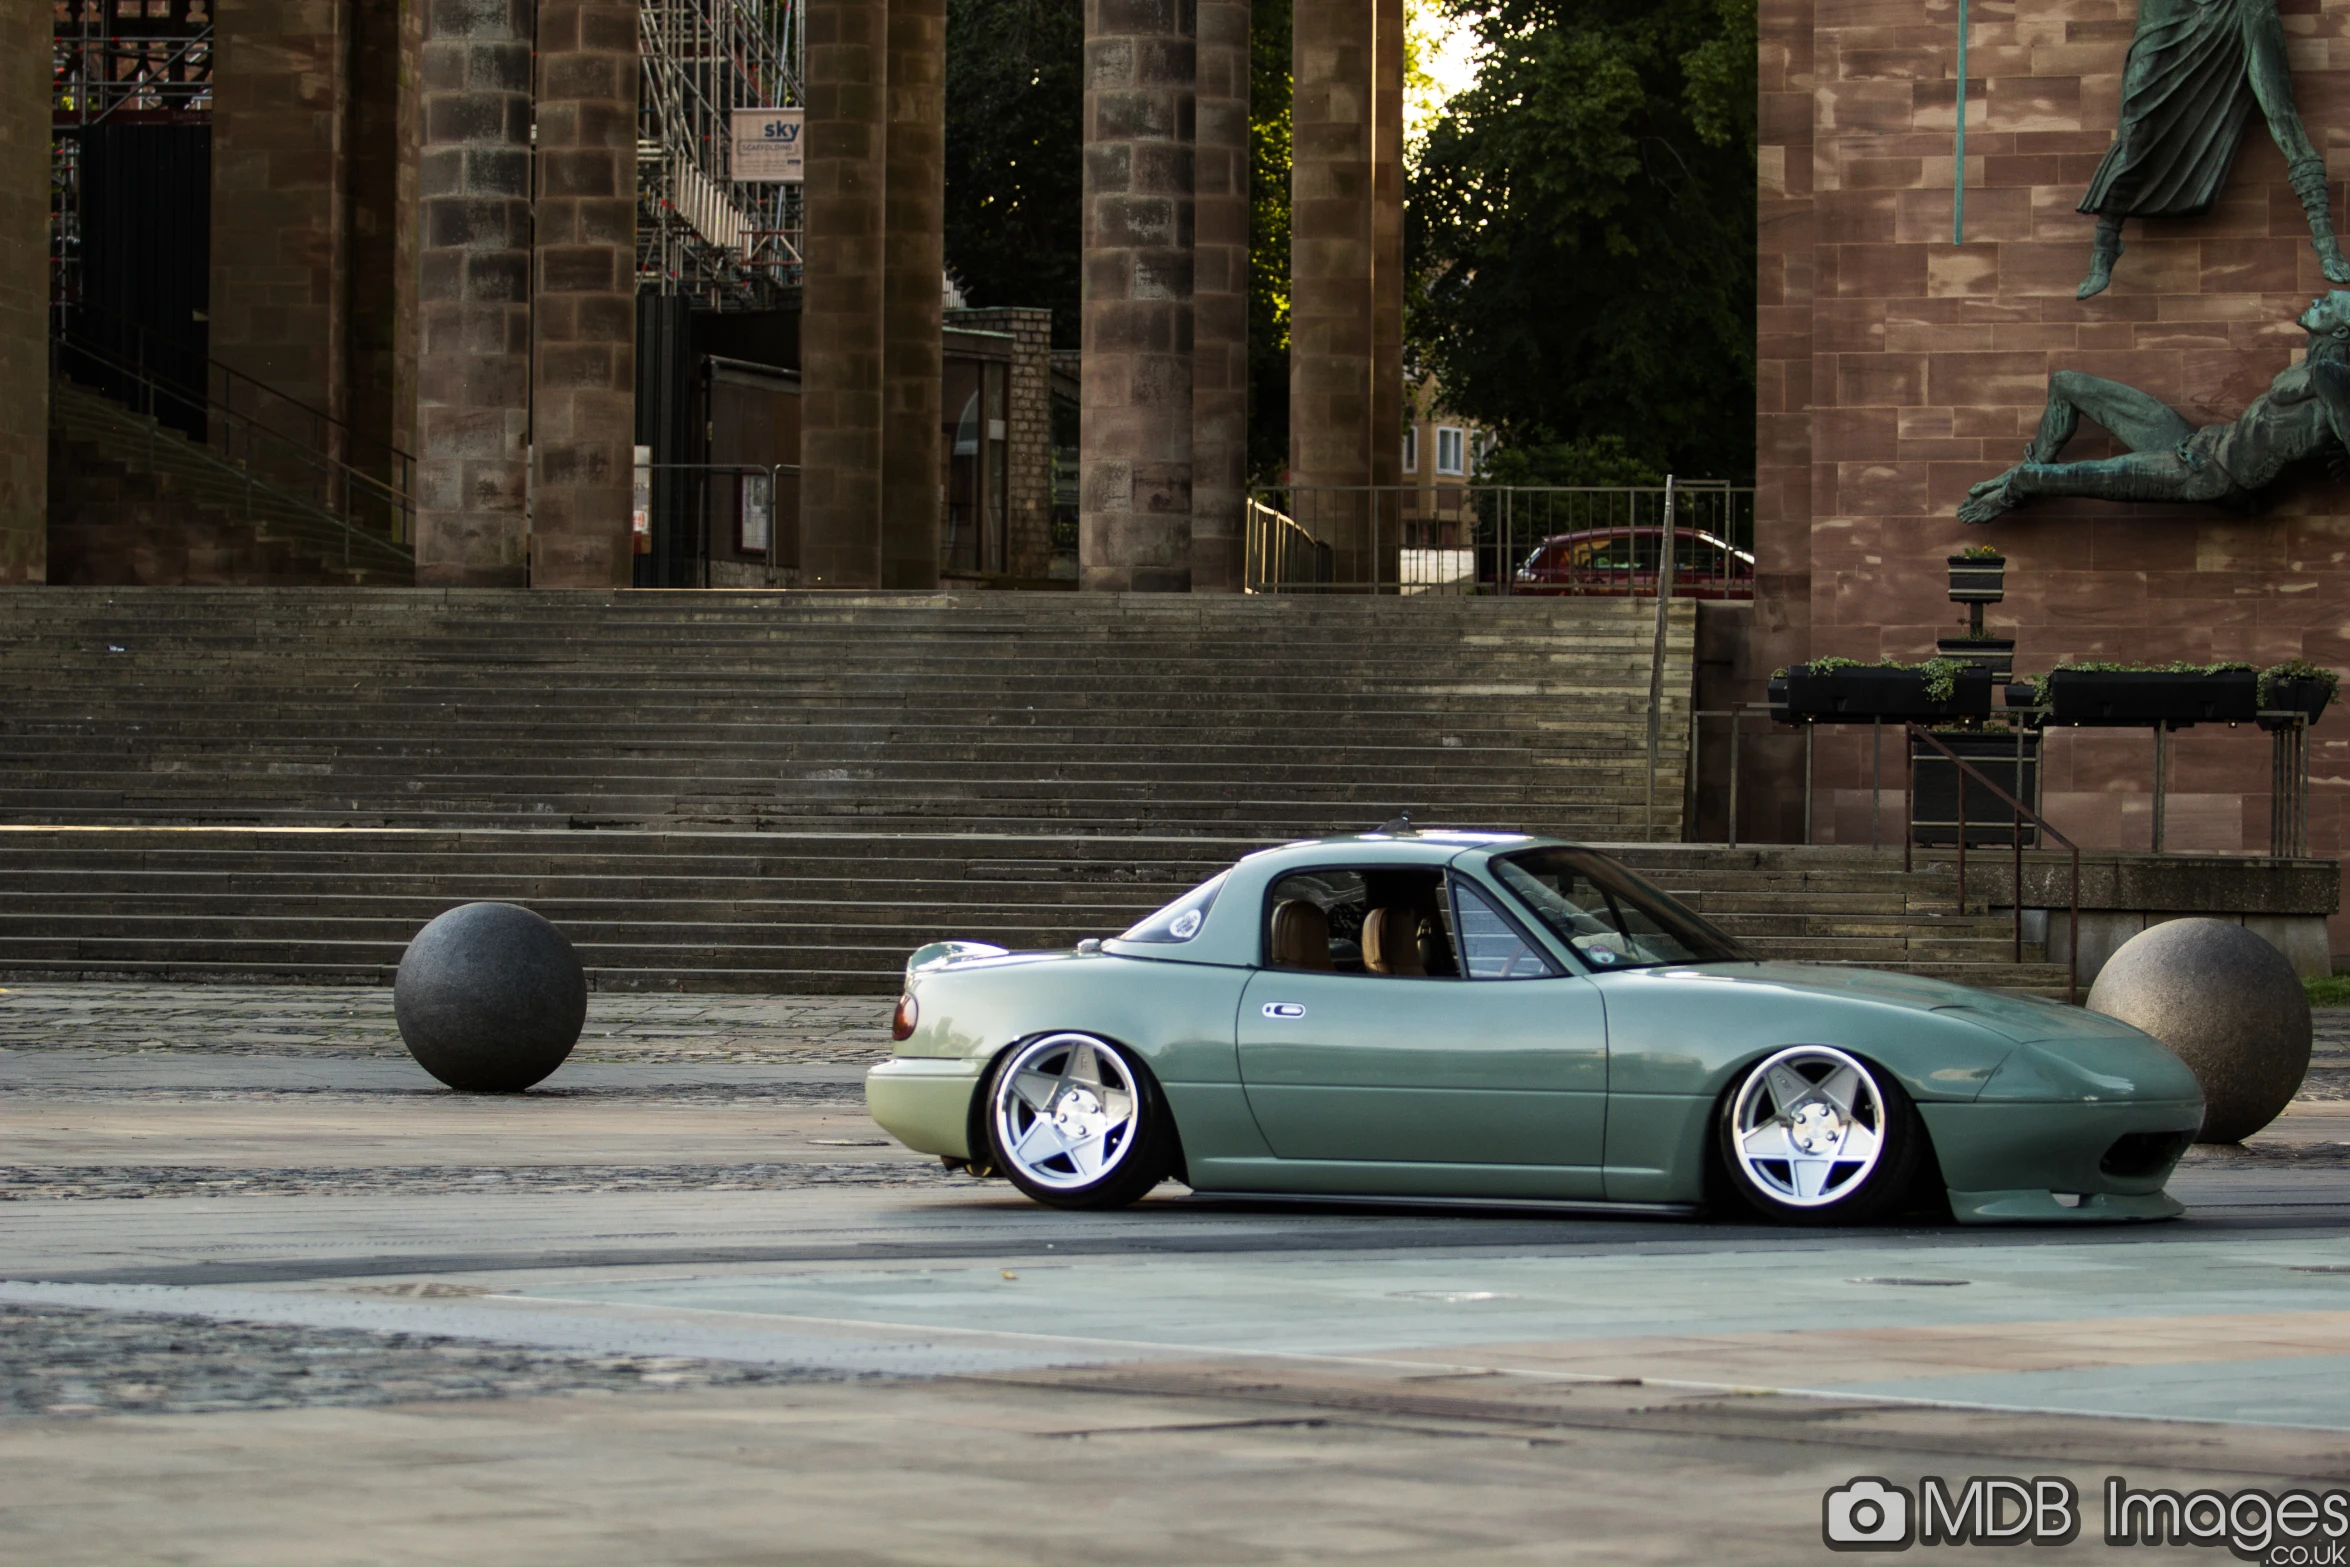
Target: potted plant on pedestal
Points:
x,y
2295,686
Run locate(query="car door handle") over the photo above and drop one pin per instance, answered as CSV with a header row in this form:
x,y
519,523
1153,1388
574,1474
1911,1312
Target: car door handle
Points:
x,y
1284,1009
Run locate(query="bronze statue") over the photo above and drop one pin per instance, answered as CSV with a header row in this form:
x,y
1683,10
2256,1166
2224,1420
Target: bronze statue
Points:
x,y
2170,459
2195,70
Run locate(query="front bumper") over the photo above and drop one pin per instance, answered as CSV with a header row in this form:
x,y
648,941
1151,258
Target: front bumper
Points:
x,y
925,1103
2008,1161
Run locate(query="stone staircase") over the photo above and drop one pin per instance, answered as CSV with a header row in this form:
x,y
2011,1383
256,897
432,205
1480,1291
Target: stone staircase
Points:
x,y
132,501
791,791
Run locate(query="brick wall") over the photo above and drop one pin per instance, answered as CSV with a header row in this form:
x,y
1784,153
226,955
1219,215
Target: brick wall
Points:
x,y
24,292
1897,368
1029,434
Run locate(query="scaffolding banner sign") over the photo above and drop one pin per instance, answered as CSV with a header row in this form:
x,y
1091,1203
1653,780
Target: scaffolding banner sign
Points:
x,y
767,146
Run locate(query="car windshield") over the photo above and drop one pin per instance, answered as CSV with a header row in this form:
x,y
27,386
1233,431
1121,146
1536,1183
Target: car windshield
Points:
x,y
1610,917
1180,920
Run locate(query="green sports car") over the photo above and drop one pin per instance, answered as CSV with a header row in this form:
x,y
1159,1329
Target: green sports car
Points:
x,y
1474,1016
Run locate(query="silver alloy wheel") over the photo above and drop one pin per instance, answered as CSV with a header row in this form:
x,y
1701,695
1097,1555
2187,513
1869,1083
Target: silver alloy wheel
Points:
x,y
1808,1126
1065,1111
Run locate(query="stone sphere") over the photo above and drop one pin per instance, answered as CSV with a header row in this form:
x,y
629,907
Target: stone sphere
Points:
x,y
490,998
2226,1003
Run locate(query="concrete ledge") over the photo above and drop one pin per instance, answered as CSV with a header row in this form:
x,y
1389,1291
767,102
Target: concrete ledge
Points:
x,y
2285,901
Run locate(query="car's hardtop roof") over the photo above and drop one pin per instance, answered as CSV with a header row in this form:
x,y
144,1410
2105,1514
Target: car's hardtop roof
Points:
x,y
1417,845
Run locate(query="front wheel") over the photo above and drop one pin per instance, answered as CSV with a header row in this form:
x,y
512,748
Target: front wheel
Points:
x,y
1816,1136
1074,1122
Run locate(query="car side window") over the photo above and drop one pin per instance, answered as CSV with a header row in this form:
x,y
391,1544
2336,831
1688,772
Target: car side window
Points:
x,y
1491,946
1376,922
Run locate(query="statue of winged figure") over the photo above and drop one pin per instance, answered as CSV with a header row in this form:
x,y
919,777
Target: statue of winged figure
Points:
x,y
2195,71
2169,457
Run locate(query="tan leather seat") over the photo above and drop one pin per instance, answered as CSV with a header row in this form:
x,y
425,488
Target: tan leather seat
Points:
x,y
1391,943
1301,935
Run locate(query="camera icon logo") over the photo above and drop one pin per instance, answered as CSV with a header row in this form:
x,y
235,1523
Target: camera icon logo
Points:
x,y
1866,1513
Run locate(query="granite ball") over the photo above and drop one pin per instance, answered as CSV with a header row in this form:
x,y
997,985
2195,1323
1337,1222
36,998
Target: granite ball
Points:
x,y
2228,1004
490,998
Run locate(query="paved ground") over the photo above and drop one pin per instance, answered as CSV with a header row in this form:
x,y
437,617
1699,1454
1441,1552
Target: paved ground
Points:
x,y
270,1295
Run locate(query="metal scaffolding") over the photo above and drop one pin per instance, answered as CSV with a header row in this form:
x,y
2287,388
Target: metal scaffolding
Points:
x,y
116,62
728,246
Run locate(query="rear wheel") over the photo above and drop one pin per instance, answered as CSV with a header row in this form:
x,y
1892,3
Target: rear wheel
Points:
x,y
1075,1122
1814,1135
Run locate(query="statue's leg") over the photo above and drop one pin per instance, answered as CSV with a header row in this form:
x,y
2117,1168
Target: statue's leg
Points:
x,y
2137,476
2105,250
2272,85
2143,421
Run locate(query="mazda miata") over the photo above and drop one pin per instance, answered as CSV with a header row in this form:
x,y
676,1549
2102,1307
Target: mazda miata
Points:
x,y
1479,1017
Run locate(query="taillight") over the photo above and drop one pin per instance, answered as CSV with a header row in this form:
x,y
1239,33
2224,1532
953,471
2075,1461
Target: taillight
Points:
x,y
902,1025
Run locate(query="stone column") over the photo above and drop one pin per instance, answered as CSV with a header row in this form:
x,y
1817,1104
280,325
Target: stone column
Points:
x,y
24,293
1219,300
1331,250
583,310
1385,436
841,310
280,253
913,285
473,289
1135,446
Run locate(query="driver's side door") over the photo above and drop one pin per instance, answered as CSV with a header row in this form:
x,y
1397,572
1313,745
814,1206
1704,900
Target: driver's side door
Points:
x,y
1468,1069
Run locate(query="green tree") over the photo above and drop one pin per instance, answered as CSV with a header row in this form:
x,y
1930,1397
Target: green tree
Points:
x,y
1268,241
1015,168
1581,226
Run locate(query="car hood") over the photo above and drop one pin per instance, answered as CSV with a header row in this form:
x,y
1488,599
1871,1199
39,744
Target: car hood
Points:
x,y
2059,1052
2019,1019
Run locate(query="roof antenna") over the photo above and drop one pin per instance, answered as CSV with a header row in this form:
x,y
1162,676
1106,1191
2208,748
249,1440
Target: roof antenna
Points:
x,y
1401,825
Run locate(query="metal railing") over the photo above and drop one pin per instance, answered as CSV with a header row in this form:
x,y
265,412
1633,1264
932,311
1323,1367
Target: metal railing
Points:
x,y
2019,813
363,508
1462,539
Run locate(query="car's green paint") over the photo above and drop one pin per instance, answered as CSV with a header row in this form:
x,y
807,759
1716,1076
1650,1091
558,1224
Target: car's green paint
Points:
x,y
1598,1084
925,1102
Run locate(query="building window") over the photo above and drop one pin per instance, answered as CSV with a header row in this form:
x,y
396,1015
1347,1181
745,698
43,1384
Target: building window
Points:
x,y
1451,444
1411,448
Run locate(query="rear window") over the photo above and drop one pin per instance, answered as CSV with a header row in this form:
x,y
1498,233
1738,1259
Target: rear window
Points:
x,y
1181,920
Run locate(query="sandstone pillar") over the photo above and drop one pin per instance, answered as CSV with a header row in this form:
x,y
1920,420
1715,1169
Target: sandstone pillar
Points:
x,y
583,403
24,293
1135,442
841,311
280,241
473,287
1219,302
1386,434
1332,246
913,285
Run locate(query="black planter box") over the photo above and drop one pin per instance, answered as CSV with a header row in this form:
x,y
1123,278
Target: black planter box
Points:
x,y
2296,694
1775,694
1865,692
1996,654
1979,581
2121,699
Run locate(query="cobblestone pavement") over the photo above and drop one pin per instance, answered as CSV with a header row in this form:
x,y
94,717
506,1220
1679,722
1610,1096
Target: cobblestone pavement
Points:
x,y
357,1021
62,1361
61,1182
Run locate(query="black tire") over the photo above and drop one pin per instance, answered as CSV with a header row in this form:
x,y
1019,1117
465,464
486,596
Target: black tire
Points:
x,y
1840,1191
1110,1171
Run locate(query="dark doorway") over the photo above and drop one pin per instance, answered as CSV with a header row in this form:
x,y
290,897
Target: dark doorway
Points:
x,y
138,328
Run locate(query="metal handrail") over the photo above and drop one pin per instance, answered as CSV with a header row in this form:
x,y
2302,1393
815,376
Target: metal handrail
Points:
x,y
150,383
231,375
2019,813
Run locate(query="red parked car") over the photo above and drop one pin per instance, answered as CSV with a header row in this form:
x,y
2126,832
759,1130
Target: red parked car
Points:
x,y
1622,561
